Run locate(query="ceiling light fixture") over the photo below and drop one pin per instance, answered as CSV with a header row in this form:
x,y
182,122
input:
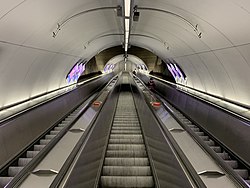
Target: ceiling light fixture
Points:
x,y
127,7
127,18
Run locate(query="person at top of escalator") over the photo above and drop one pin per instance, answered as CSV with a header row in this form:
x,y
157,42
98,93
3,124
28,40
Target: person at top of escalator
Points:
x,y
151,84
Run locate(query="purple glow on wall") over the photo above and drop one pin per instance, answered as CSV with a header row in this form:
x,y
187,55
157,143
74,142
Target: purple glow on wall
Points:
x,y
75,72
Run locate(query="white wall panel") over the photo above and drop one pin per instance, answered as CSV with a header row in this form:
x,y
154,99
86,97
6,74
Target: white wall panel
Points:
x,y
223,84
238,70
199,65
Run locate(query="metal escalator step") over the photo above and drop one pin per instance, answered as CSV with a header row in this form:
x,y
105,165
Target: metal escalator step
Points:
x,y
4,181
126,141
186,121
232,163
126,125
50,136
126,171
126,122
243,173
126,147
14,170
210,142
205,138
192,126
38,147
200,133
223,155
125,118
54,132
195,129
109,161
126,128
125,131
58,128
61,125
23,161
126,136
126,153
217,149
44,141
31,154
69,118
127,181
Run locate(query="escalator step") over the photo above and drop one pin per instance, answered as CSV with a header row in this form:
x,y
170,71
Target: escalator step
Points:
x,y
118,153
125,136
126,125
126,141
126,128
14,170
217,149
31,154
210,142
195,129
192,126
44,141
23,161
205,138
125,131
186,121
4,181
126,161
127,117
232,163
54,132
127,181
126,171
58,128
38,147
242,172
200,133
126,147
223,155
49,136
61,125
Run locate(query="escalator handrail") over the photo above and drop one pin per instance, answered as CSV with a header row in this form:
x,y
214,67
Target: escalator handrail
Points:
x,y
10,117
208,150
58,179
172,143
17,180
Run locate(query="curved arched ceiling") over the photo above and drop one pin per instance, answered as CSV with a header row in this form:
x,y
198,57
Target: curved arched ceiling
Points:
x,y
32,61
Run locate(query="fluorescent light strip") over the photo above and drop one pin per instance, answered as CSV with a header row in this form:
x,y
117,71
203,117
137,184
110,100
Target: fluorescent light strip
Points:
x,y
127,8
126,24
126,40
126,33
126,47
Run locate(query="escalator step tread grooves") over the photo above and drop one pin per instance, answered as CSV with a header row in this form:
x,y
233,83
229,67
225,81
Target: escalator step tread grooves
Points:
x,y
22,162
14,170
244,173
126,162
38,147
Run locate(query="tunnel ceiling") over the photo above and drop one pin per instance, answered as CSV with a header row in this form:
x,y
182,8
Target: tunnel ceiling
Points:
x,y
41,40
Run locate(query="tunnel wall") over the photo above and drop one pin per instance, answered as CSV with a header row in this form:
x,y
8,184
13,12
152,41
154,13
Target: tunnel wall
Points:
x,y
227,129
20,132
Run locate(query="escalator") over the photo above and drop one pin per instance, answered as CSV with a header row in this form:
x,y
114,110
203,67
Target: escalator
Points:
x,y
126,162
236,166
16,166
